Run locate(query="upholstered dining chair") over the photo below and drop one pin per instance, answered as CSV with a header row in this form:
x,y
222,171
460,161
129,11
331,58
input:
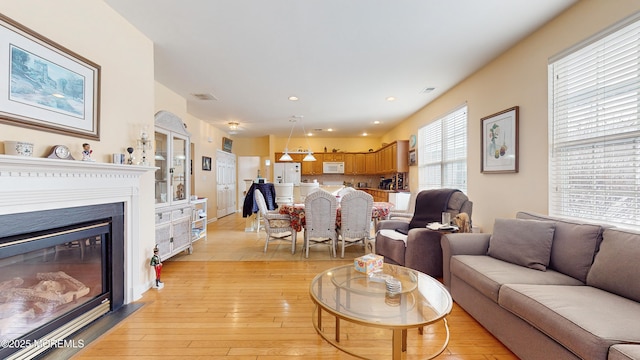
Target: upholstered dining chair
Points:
x,y
355,221
277,226
320,220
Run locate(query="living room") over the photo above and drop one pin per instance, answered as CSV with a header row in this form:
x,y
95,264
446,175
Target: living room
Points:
x,y
518,77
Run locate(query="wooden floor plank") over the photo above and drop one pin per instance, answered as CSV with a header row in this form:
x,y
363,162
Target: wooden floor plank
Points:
x,y
230,300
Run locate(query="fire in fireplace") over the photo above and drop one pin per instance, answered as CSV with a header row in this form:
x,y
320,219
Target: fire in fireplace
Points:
x,y
59,271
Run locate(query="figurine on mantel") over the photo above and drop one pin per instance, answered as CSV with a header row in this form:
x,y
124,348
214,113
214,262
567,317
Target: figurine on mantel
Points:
x,y
86,152
157,266
130,160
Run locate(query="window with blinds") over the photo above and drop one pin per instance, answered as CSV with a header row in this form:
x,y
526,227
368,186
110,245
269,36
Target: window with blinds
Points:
x,y
442,152
595,128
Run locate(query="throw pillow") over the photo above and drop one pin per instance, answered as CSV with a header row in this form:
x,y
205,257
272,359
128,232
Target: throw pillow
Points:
x,y
522,242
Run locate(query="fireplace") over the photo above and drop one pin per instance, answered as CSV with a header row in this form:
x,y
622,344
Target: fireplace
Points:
x,y
59,270
67,254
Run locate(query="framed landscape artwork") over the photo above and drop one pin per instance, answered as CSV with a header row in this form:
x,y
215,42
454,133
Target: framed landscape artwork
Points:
x,y
500,142
45,86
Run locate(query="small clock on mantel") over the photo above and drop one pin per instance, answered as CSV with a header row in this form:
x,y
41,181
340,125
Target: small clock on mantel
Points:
x,y
60,152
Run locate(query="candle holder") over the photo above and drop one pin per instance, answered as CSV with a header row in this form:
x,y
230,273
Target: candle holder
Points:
x,y
144,144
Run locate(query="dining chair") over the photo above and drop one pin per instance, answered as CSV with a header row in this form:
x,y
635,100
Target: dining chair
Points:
x,y
355,224
306,189
277,226
345,190
284,193
320,209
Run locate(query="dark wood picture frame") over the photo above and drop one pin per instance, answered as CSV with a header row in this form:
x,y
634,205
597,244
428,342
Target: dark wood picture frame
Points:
x,y
206,163
48,87
499,142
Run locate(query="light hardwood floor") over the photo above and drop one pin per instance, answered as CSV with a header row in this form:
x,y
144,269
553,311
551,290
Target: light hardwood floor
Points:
x,y
229,300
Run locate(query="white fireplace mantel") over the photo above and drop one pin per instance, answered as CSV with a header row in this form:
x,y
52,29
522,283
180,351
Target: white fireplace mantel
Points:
x,y
32,184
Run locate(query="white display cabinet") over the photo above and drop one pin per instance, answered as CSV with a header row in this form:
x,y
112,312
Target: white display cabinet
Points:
x,y
172,193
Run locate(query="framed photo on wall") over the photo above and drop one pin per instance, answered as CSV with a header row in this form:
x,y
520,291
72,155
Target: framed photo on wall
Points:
x,y
412,157
499,152
206,163
45,86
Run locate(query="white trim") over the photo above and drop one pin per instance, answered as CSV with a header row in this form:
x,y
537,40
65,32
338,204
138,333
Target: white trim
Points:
x,y
33,184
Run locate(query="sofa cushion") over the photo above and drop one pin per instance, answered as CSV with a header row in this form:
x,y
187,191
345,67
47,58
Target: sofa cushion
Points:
x,y
616,267
522,242
574,245
578,317
487,274
624,352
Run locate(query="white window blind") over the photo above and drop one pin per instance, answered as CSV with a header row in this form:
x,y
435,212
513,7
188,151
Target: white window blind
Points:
x,y
442,152
595,130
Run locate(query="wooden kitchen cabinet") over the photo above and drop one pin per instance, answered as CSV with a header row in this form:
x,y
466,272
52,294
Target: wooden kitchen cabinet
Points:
x,y
392,158
297,158
354,164
313,167
333,156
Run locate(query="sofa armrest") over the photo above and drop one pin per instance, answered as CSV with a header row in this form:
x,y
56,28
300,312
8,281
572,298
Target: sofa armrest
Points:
x,y
393,224
424,252
624,352
461,244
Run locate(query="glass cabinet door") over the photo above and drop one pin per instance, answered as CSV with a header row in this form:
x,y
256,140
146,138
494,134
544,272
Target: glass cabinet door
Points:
x,y
179,168
162,163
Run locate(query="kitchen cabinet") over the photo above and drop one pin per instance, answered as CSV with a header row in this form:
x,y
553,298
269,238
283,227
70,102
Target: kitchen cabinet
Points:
x,y
172,192
297,158
391,159
333,156
370,165
354,164
313,167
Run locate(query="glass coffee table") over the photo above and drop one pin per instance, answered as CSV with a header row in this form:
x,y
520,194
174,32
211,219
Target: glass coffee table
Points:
x,y
414,300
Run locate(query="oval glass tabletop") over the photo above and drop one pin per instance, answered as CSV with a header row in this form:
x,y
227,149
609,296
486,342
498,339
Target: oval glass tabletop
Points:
x,y
353,295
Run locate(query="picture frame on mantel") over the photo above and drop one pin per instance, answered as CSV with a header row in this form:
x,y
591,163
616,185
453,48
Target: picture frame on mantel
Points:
x,y
499,152
45,86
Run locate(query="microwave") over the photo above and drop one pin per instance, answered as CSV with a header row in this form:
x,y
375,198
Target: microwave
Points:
x,y
333,167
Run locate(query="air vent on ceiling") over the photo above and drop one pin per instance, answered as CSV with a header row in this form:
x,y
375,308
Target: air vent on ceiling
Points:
x,y
205,97
317,129
427,90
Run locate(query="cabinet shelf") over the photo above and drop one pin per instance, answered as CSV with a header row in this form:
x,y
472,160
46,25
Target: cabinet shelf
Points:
x,y
199,219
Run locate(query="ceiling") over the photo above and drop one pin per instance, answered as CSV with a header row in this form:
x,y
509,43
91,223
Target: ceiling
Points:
x,y
341,58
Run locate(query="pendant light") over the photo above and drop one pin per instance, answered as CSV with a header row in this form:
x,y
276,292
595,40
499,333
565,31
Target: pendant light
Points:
x,y
286,155
309,156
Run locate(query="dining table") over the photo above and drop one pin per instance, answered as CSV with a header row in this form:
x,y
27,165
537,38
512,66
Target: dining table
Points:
x,y
379,211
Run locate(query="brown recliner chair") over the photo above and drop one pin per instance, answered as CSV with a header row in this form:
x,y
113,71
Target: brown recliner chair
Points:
x,y
422,250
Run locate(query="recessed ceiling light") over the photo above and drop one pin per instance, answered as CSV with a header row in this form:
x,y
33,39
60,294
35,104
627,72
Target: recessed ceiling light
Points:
x,y
293,98
377,122
391,98
364,134
309,133
329,129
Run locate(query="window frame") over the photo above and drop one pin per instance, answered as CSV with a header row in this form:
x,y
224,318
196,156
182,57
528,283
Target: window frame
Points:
x,y
442,151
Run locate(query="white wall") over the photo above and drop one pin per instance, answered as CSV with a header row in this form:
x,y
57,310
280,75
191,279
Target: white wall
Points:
x,y
96,32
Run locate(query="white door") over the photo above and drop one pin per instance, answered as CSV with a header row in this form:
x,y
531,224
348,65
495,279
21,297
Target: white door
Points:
x,y
226,180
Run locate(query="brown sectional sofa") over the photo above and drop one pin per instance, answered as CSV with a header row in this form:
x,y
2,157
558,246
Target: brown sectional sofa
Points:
x,y
549,288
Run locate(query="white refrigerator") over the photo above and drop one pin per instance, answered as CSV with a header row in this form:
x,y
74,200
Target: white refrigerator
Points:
x,y
287,173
